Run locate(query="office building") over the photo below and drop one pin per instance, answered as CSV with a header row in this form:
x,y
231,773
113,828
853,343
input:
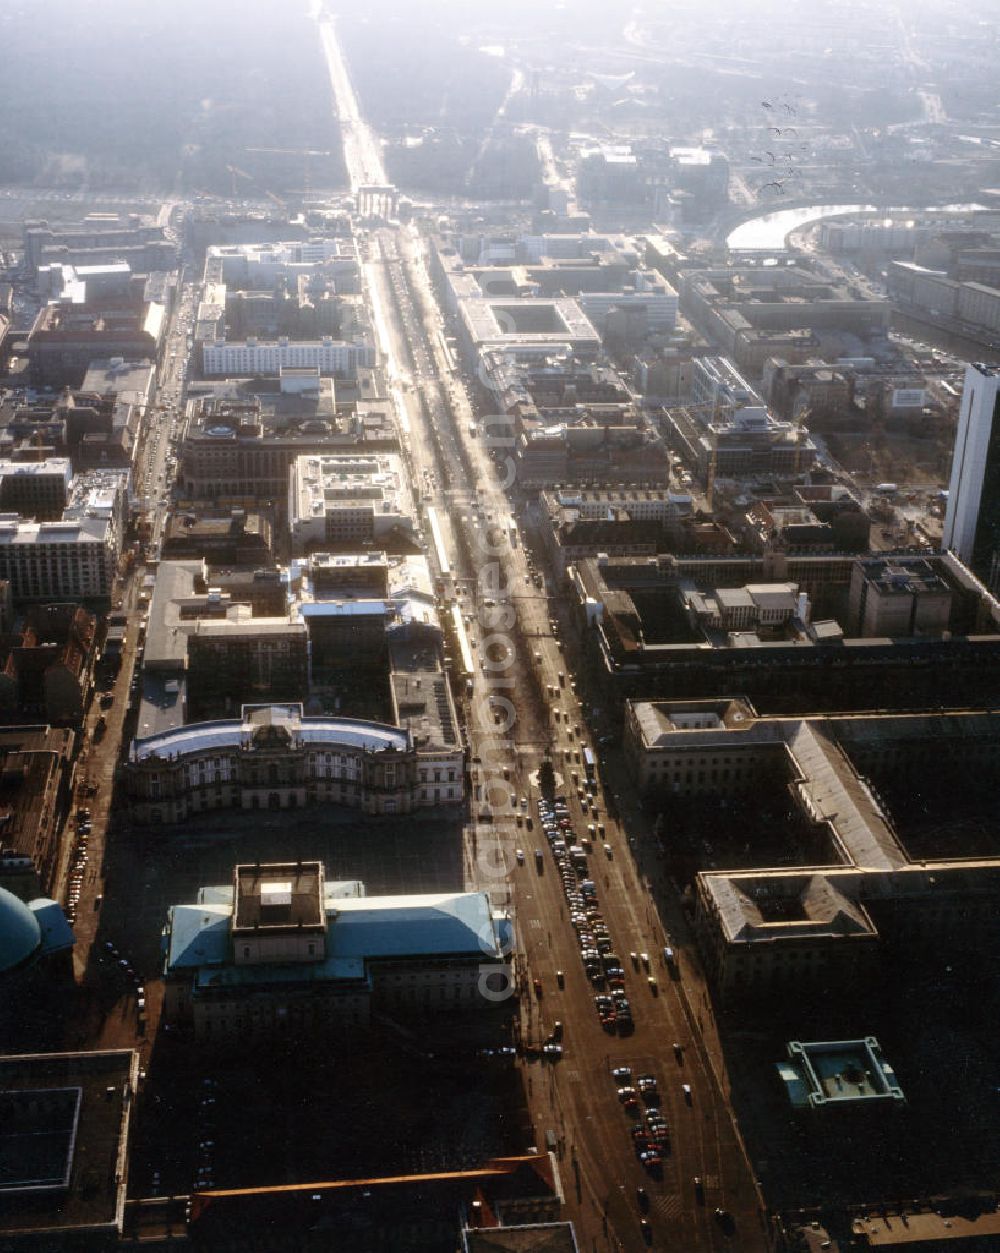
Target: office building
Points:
x,y
67,337
972,520
242,445
862,868
749,444
234,537
719,389
898,596
35,762
642,640
253,357
338,501
35,489
259,266
46,666
241,658
101,495
96,231
73,559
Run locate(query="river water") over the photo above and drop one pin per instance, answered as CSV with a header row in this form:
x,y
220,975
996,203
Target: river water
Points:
x,y
770,230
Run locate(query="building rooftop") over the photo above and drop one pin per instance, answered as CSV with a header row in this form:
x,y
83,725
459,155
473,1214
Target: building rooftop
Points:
x,y
15,530
526,1238
395,1202
928,1230
278,895
131,381
359,928
892,576
64,1133
240,732
839,1072
512,321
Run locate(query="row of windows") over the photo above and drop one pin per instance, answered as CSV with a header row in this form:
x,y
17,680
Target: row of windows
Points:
x,y
714,776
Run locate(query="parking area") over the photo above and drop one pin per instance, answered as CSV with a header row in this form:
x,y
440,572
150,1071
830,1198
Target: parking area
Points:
x,y
323,1113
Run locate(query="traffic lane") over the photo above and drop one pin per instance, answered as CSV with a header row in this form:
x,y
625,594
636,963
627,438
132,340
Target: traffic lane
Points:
x,y
589,1137
592,1117
512,562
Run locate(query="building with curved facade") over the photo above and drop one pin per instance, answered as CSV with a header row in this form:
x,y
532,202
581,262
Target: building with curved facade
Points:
x,y
274,757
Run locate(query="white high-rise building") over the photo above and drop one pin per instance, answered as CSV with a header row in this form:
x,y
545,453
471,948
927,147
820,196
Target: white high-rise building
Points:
x,y
972,521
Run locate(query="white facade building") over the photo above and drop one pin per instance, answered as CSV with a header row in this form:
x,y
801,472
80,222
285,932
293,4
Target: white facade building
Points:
x,y
69,560
255,267
972,521
333,500
717,385
101,495
252,357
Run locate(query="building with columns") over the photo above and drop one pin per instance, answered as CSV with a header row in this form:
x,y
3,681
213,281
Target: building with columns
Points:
x,y
273,757
281,951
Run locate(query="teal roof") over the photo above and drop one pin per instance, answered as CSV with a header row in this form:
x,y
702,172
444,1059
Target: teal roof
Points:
x,y
199,935
359,929
268,973
20,934
413,926
57,934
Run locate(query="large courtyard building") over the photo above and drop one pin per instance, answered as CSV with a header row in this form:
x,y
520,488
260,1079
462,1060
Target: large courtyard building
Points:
x,y
649,637
879,845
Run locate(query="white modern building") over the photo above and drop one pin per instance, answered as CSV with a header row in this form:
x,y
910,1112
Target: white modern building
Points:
x,y
225,358
256,267
338,500
972,520
101,495
719,387
70,560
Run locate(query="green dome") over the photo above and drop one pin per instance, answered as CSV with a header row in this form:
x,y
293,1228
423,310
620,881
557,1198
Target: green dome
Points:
x,y
20,934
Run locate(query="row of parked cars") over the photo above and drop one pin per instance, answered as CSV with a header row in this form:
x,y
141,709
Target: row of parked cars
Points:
x,y
600,962
78,868
205,1163
640,1098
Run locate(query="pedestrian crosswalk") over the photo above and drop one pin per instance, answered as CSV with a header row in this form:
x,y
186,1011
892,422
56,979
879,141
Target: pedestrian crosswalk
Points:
x,y
668,1204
